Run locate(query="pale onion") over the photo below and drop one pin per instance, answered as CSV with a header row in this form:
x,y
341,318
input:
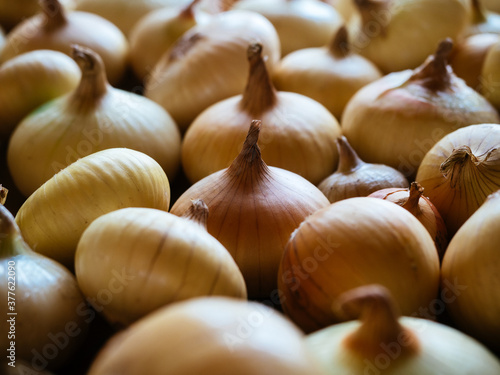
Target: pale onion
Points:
x,y
492,5
157,31
398,118
460,171
53,218
483,21
355,178
210,335
13,12
346,8
56,29
93,117
208,63
298,133
330,75
42,321
354,242
383,342
471,260
421,207
468,57
253,210
30,80
124,13
398,35
166,259
299,23
490,76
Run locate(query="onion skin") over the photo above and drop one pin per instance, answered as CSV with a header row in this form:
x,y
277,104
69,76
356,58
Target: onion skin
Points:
x,y
53,218
471,261
13,12
460,171
490,76
215,327
166,259
355,242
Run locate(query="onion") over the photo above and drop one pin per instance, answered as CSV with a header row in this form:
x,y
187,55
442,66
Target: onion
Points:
x,y
492,5
460,171
166,259
213,335
299,23
56,29
298,133
13,12
93,117
421,207
382,341
45,75
208,63
355,242
471,260
346,8
483,21
398,118
253,210
355,178
53,218
42,323
330,75
490,75
382,29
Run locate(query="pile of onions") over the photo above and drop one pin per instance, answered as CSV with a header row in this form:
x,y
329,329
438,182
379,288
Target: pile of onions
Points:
x,y
165,259
329,74
299,23
208,63
355,178
483,21
298,133
382,341
53,218
490,75
421,207
46,75
253,210
460,171
43,305
471,261
93,117
382,29
355,242
57,29
398,118
157,31
213,335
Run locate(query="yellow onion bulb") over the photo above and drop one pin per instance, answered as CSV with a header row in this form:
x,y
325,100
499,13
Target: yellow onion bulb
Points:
x,y
13,12
298,133
54,217
208,335
381,341
208,63
346,8
490,75
253,210
460,171
57,29
351,243
91,118
471,261
382,29
165,259
398,118
421,207
46,75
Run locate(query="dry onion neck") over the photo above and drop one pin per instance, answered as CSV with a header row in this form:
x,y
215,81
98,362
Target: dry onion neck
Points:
x,y
197,212
11,242
55,16
435,73
349,161
374,11
188,11
259,94
373,305
411,203
339,46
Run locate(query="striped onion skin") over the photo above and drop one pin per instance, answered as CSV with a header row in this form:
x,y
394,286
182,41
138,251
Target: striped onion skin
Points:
x,y
53,218
162,258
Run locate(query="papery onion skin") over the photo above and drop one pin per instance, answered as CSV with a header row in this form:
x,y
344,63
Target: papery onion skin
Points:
x,y
208,63
471,261
46,75
355,242
460,171
215,326
53,218
166,259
